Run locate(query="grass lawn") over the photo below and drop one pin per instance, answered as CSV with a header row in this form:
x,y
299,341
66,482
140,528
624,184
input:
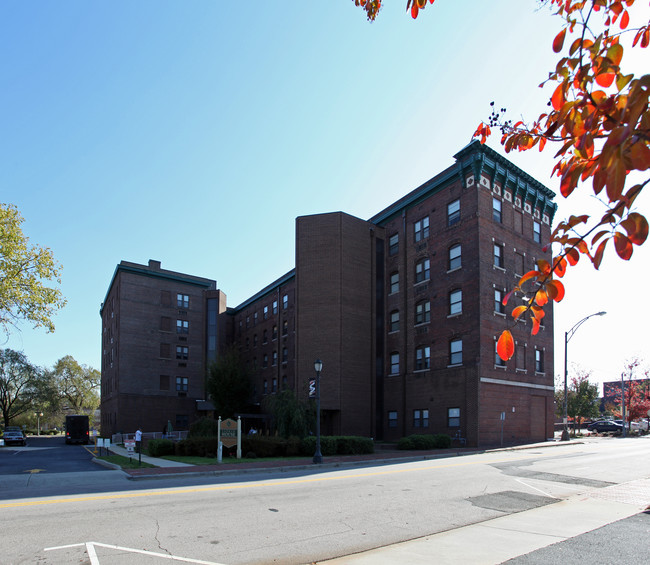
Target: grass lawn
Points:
x,y
125,462
191,460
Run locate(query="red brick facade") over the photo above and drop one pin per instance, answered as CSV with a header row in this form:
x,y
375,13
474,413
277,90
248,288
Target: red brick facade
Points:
x,y
403,309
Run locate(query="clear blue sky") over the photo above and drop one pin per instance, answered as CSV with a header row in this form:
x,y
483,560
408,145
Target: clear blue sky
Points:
x,y
195,133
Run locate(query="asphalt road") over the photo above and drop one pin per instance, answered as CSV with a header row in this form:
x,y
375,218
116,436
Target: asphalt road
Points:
x,y
307,516
46,454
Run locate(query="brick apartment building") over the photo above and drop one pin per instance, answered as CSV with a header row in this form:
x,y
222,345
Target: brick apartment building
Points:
x,y
404,309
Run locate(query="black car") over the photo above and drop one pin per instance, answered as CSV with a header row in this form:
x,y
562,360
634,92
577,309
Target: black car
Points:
x,y
605,426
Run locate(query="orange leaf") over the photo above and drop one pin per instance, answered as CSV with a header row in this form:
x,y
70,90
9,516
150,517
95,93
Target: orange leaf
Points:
x,y
555,289
505,345
535,326
636,227
623,246
529,275
560,266
541,297
518,311
507,297
605,79
572,256
558,42
544,266
625,20
598,256
558,97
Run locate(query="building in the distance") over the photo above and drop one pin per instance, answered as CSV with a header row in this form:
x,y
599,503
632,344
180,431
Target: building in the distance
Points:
x,y
404,309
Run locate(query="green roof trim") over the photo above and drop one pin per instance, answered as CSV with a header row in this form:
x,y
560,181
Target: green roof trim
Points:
x,y
265,291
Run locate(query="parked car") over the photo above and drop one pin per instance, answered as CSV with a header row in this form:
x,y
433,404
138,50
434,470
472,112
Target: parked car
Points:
x,y
14,436
605,426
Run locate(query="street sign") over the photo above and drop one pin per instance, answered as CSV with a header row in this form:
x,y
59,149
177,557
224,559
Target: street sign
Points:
x,y
130,446
312,388
229,432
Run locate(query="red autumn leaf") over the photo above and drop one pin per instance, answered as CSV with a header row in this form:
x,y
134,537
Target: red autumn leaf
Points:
x,y
535,326
541,298
537,312
558,42
560,266
605,79
623,246
625,20
555,289
572,256
598,256
543,266
636,227
505,345
529,275
518,311
558,97
507,297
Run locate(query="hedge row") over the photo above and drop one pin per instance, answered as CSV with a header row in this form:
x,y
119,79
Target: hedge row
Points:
x,y
425,441
263,446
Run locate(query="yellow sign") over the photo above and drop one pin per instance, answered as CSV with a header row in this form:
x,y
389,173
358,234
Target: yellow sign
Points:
x,y
229,432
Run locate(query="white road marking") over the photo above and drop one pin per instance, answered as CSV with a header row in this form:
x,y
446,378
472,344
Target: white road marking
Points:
x,y
94,560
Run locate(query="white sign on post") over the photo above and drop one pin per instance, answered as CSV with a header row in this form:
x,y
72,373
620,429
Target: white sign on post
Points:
x,y
130,446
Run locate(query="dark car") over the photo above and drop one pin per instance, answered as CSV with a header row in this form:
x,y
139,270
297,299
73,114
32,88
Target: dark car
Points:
x,y
605,426
14,436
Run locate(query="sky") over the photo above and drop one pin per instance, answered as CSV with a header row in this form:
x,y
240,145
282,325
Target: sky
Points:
x,y
194,133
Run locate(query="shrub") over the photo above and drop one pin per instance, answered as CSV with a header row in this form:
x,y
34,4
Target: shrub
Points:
x,y
197,447
205,427
424,441
160,447
270,446
338,445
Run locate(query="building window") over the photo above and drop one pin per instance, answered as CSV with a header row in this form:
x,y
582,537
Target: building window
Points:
x,y
455,302
453,417
537,232
420,418
454,257
496,210
164,382
394,363
394,283
274,360
539,361
393,244
422,358
422,270
284,382
394,321
182,326
421,229
182,352
497,360
423,312
182,300
285,354
456,352
265,361
274,333
392,419
498,255
519,264
520,354
182,422
255,319
248,321
265,387
265,336
274,385
266,312
285,301
181,384
275,307
165,350
285,327
453,212
499,308
255,340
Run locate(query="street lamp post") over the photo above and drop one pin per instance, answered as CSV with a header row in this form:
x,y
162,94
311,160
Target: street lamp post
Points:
x,y
318,366
567,336
38,422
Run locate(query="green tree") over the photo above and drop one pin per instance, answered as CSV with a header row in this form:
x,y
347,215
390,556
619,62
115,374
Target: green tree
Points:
x,y
77,386
18,384
229,384
290,416
24,272
582,399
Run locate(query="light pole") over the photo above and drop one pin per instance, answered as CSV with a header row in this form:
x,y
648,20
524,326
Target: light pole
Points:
x,y
567,336
318,367
38,422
